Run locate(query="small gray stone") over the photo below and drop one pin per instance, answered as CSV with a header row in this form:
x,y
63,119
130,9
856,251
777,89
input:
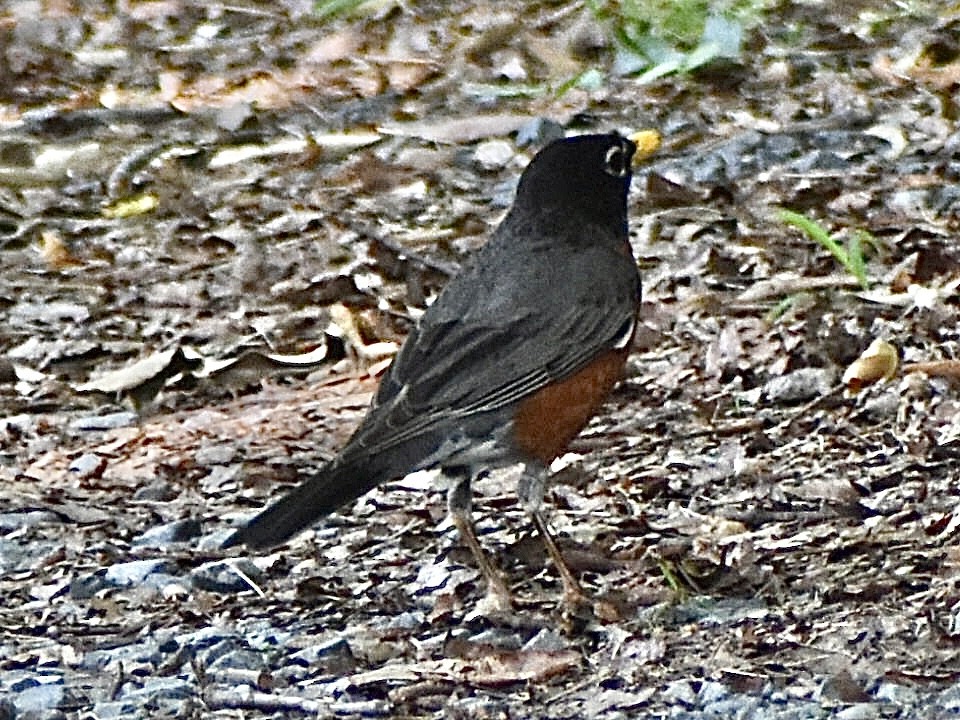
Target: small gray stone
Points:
x,y
135,572
39,697
158,491
893,693
883,406
226,647
711,692
334,657
110,421
735,706
88,465
494,154
950,698
86,586
171,532
11,521
860,711
220,577
539,131
800,385
681,692
160,687
136,658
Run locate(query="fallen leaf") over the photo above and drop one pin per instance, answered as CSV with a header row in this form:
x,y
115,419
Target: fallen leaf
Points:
x,y
55,252
877,362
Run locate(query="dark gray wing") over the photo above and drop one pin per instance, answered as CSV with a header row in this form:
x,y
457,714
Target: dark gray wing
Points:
x,y
499,333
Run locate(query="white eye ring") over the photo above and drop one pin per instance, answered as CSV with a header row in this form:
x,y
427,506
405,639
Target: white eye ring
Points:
x,y
614,162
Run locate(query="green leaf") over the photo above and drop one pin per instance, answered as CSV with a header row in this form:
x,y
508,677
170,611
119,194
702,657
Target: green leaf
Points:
x,y
851,257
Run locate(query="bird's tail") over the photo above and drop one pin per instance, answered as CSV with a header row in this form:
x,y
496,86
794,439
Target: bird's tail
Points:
x,y
320,495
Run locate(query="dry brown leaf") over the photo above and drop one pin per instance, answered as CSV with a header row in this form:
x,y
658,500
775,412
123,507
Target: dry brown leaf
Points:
x,y
877,362
55,252
507,667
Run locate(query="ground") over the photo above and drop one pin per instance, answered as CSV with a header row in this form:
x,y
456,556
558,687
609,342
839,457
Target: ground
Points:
x,y
775,518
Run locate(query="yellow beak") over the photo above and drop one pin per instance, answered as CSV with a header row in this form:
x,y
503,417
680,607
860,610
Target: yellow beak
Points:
x,y
647,142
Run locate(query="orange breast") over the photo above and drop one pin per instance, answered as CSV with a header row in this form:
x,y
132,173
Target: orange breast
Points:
x,y
547,421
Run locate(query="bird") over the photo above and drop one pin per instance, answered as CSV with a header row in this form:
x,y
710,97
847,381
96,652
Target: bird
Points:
x,y
516,354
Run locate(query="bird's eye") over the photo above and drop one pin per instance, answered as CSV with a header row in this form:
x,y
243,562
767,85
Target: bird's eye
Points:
x,y
615,162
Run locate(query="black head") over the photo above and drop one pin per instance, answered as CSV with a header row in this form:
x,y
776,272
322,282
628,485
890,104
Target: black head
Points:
x,y
587,174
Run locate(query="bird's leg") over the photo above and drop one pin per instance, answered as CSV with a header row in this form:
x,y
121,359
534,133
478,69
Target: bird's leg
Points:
x,y
458,505
530,489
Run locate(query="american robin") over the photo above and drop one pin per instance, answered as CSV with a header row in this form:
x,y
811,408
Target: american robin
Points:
x,y
509,363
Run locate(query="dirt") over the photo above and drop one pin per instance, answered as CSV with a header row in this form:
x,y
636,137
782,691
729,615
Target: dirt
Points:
x,y
190,185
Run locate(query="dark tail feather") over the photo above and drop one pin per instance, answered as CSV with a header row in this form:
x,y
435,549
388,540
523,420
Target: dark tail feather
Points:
x,y
333,487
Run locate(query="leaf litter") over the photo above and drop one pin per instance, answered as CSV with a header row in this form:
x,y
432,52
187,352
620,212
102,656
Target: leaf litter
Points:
x,y
768,540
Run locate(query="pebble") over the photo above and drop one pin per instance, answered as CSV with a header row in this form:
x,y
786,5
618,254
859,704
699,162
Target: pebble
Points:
x,y
221,577
800,385
712,692
135,571
494,154
10,522
334,657
88,465
172,532
860,711
539,132
682,693
34,696
110,421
